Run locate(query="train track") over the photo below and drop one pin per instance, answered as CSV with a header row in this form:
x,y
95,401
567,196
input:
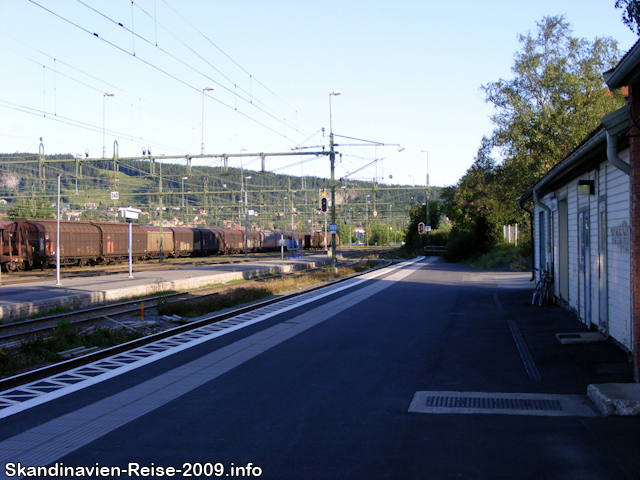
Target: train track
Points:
x,y
15,278
96,312
12,335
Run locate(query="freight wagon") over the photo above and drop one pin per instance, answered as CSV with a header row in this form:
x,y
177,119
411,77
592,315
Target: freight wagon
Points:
x,y
28,243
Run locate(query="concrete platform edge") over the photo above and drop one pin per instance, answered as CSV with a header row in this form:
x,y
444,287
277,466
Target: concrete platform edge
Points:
x,y
616,398
26,309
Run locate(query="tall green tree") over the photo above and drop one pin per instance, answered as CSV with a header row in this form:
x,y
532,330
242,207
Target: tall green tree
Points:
x,y
26,209
631,14
556,97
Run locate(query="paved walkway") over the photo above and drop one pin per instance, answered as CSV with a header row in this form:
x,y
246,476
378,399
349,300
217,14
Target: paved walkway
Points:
x,y
28,299
322,388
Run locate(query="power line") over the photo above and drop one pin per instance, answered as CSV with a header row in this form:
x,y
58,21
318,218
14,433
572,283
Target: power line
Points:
x,y
185,63
155,67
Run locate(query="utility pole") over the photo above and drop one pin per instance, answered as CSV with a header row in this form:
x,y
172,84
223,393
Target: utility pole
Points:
x,y
160,224
332,158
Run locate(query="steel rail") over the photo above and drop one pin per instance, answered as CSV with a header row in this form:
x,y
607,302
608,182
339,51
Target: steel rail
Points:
x,y
59,367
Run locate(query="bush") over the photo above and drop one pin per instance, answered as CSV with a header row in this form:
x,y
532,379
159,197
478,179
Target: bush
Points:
x,y
462,247
440,237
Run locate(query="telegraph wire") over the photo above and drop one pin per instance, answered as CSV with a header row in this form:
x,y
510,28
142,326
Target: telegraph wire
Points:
x,y
226,55
102,81
185,63
156,68
78,124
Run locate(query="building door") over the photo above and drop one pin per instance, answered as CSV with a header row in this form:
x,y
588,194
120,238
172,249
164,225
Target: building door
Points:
x,y
603,317
583,242
542,242
563,250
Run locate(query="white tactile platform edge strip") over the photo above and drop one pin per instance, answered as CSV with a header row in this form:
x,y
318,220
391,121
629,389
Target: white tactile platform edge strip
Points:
x,y
41,391
52,440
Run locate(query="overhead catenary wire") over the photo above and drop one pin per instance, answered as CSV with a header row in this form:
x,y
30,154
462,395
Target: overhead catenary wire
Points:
x,y
185,63
155,67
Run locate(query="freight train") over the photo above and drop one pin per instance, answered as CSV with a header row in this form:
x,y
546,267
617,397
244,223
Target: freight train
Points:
x,y
29,243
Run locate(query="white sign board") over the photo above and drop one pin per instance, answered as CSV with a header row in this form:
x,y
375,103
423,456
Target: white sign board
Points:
x,y
115,195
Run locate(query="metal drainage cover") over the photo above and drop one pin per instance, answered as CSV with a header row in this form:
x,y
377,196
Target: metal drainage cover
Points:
x,y
502,403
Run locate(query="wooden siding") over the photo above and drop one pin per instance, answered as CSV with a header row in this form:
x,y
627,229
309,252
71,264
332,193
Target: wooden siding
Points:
x,y
612,187
618,256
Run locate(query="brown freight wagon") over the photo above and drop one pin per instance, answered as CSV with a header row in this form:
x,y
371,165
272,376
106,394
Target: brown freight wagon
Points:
x,y
233,241
212,241
114,241
186,241
79,242
254,241
269,241
14,254
153,242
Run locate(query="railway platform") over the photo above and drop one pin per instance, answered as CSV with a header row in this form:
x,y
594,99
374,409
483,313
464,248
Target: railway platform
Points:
x,y
22,300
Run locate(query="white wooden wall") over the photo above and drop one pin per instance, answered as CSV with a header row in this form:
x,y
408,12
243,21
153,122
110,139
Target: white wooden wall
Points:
x,y
614,185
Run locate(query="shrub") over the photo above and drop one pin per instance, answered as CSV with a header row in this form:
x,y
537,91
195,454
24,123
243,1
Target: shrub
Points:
x,y
462,247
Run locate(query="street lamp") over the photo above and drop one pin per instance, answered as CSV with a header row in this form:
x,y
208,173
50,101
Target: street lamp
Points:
x,y
428,195
332,157
208,88
246,232
104,142
182,190
366,228
292,210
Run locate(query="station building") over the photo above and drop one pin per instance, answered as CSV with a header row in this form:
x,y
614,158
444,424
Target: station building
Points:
x,y
586,220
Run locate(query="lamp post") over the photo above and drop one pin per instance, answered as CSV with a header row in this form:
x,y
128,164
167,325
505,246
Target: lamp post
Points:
x,y
332,158
104,140
366,227
208,88
182,189
246,232
58,237
428,197
292,211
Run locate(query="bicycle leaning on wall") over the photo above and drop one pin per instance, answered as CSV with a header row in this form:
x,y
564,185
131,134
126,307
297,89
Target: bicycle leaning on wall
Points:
x,y
541,292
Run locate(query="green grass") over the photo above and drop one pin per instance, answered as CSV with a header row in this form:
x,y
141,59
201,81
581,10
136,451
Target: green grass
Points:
x,y
42,350
52,311
237,296
503,257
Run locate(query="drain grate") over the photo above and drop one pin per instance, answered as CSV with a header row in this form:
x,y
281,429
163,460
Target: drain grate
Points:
x,y
493,403
538,404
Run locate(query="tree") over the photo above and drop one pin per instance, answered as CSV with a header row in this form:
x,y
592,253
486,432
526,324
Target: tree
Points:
x,y
631,14
557,97
417,215
473,205
24,209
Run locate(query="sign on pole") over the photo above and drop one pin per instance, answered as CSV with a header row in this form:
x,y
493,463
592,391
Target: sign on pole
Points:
x,y
333,227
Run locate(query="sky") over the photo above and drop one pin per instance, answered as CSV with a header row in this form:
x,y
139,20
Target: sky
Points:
x,y
410,73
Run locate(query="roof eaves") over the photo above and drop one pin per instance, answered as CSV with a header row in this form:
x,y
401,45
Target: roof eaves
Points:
x,y
595,138
626,71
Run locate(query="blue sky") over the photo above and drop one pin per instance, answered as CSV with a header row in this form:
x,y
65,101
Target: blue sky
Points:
x,y
410,73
